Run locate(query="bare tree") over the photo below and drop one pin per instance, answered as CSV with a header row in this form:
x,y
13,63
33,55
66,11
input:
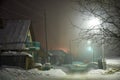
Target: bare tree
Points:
x,y
108,12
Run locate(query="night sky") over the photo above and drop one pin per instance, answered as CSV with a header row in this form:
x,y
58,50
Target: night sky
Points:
x,y
58,14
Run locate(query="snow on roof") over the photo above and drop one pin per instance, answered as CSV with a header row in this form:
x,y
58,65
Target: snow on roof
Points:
x,y
16,53
14,31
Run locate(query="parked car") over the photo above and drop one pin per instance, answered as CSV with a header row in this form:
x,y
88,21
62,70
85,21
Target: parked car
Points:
x,y
80,66
47,66
38,66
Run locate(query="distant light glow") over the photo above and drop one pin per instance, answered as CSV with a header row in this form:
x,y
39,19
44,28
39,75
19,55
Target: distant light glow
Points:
x,y
89,48
94,21
89,41
64,49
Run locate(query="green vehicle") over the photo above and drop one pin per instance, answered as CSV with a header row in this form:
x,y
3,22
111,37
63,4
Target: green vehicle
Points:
x,y
81,67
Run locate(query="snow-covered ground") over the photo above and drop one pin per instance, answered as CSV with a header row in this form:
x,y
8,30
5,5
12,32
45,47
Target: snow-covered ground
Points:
x,y
112,73
113,63
33,74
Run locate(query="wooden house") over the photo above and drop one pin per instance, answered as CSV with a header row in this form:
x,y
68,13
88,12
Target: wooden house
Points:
x,y
16,36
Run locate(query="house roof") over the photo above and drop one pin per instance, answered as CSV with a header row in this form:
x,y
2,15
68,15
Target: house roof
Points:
x,y
14,31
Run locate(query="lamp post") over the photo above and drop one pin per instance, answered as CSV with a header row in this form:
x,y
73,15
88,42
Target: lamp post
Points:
x,y
95,22
90,48
103,52
46,39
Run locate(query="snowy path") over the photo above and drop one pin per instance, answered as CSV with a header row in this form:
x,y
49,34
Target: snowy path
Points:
x,y
58,74
16,74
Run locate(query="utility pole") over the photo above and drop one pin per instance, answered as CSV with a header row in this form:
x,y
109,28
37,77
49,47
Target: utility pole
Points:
x,y
70,50
70,46
103,51
45,25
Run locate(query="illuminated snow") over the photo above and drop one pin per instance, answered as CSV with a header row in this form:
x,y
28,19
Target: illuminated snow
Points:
x,y
58,74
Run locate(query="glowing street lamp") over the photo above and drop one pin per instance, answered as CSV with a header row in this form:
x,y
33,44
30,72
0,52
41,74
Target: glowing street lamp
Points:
x,y
89,42
89,48
94,22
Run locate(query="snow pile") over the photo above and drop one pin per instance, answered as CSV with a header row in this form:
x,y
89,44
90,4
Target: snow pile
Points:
x,y
97,71
12,74
58,73
18,74
117,73
51,72
54,74
97,74
113,63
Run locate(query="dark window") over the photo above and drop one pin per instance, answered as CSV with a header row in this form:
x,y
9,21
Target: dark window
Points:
x,y
1,24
